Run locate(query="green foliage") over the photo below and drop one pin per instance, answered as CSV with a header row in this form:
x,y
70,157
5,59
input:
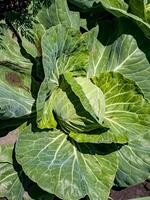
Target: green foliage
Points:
x,y
75,81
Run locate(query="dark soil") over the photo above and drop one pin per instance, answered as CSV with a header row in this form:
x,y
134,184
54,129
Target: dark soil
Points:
x,y
140,190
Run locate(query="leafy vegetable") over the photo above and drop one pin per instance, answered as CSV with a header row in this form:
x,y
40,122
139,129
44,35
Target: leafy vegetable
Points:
x,y
84,97
70,170
13,182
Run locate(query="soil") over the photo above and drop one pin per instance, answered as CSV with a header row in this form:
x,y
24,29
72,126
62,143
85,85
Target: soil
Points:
x,y
10,138
140,190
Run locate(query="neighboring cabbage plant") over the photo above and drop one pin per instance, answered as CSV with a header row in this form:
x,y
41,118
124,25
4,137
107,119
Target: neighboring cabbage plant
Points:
x,y
85,106
136,10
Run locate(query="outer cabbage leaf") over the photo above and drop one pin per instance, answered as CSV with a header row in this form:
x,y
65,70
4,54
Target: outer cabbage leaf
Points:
x,y
122,56
141,9
59,13
16,100
125,106
115,6
10,53
32,43
13,181
10,185
68,170
122,117
120,8
61,48
147,12
134,165
84,4
28,31
137,7
15,95
134,162
64,50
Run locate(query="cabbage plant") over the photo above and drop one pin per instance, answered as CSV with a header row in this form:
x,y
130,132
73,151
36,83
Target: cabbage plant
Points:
x,y
81,107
